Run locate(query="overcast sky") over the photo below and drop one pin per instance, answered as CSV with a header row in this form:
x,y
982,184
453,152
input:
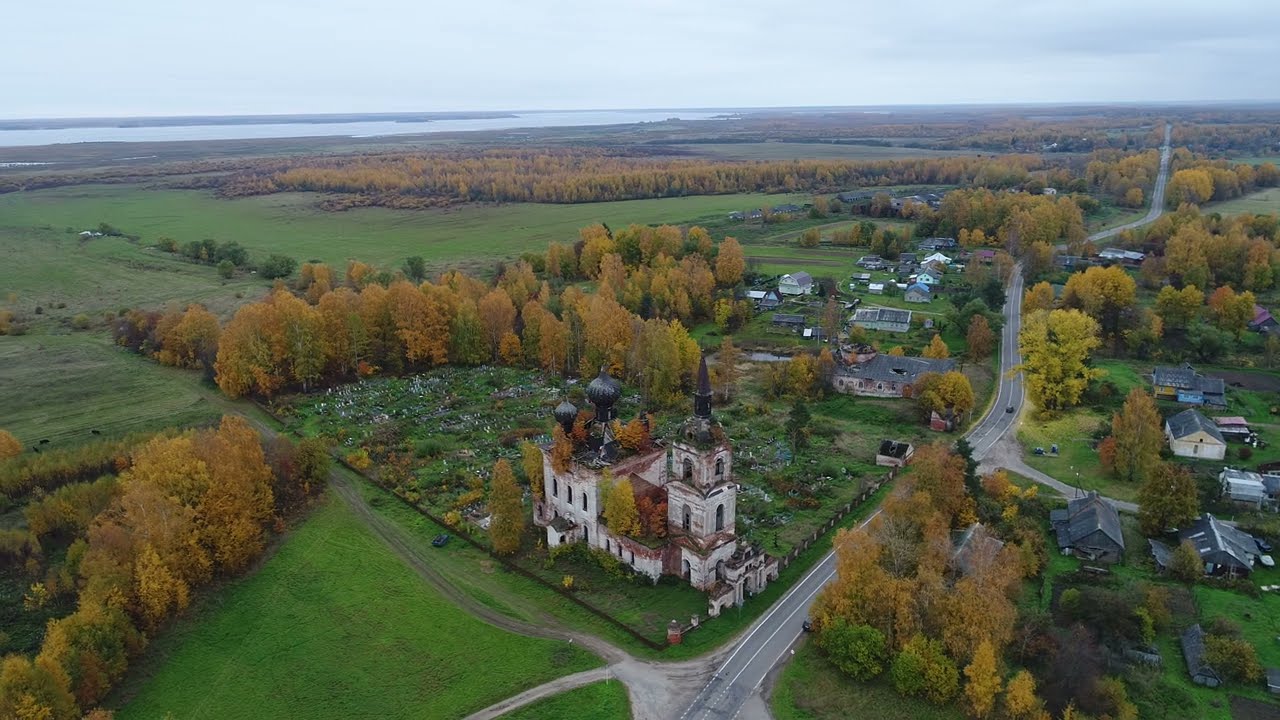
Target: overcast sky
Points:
x,y
161,57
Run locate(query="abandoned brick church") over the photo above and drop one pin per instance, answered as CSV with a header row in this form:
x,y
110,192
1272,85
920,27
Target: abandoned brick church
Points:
x,y
693,473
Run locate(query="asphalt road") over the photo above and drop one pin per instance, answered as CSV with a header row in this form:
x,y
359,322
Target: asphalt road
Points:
x,y
1157,193
772,637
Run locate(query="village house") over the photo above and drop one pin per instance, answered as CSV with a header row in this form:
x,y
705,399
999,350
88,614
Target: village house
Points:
x,y
918,293
1233,427
870,262
928,277
894,454
907,258
1243,487
799,283
883,375
1193,435
1128,257
932,244
1224,549
1183,384
875,288
1089,527
693,475
771,300
1262,321
936,257
886,319
789,321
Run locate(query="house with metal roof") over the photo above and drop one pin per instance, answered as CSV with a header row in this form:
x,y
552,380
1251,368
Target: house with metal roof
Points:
x,y
788,320
1183,384
918,293
1262,321
887,319
1089,527
1193,435
1193,650
798,283
1243,488
886,375
1224,549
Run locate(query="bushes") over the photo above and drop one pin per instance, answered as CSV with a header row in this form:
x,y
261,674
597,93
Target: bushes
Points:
x,y
858,650
923,668
1234,657
277,266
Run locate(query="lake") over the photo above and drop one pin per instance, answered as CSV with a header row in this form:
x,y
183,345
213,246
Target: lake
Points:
x,y
178,133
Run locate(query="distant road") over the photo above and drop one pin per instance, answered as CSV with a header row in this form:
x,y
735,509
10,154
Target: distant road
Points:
x,y
1157,193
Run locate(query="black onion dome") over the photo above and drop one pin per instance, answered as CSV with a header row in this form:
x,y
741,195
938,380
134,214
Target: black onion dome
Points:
x,y
566,413
604,391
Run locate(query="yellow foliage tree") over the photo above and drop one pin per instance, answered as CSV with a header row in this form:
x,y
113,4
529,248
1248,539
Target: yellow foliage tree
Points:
x,y
937,349
1037,297
1020,701
1056,346
531,463
982,682
9,445
620,509
730,263
157,589
506,511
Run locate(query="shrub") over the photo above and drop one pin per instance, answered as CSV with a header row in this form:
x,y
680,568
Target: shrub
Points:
x,y
858,650
226,269
81,322
359,459
1234,657
277,266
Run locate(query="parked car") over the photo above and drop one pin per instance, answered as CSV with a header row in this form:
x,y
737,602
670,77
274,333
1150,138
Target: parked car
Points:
x,y
807,625
440,540
1264,546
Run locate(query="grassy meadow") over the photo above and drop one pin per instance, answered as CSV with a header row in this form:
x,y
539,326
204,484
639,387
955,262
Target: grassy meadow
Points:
x,y
1263,202
600,701
470,237
335,626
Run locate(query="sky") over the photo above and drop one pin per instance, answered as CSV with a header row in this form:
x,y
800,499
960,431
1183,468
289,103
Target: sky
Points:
x,y
84,58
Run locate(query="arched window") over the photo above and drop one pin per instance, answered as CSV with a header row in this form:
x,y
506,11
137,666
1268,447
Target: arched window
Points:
x,y
584,501
555,487
568,489
608,546
719,517
688,469
687,517
719,466
586,537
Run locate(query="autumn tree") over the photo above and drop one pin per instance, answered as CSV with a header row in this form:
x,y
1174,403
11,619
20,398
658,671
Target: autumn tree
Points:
x,y
158,591
620,509
1186,256
9,445
1168,498
1139,437
531,463
937,349
1189,185
982,682
1234,657
1037,297
506,510
1231,311
923,668
942,392
831,319
1178,308
730,263
1020,701
1055,347
1185,563
633,436
980,338
1107,294
858,650
561,449
727,372
34,690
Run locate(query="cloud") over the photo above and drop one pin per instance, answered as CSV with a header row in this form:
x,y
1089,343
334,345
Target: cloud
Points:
x,y
78,57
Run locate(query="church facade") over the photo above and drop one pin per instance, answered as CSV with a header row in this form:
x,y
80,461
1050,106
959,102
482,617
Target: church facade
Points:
x,y
693,474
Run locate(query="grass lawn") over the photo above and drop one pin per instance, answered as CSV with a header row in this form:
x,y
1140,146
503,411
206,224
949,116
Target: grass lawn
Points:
x,y
1263,202
61,387
470,237
599,701
335,626
810,688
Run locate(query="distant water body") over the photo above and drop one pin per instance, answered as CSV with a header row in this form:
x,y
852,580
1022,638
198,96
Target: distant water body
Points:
x,y
249,131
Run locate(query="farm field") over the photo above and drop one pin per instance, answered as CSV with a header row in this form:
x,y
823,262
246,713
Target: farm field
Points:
x,y
810,688
1263,202
334,625
63,387
470,237
599,701
821,151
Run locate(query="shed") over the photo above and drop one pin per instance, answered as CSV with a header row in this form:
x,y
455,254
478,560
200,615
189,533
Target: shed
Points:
x,y
894,454
1193,652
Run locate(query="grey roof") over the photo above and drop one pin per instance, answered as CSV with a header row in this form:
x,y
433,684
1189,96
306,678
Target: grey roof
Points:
x,y
1179,376
890,315
787,319
1273,677
1193,652
894,448
1243,485
919,287
1221,544
898,368
1085,516
801,278
1272,484
1190,421
907,257
1161,552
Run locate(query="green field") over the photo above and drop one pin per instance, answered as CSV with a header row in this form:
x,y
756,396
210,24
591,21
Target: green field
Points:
x,y
470,237
1263,202
598,701
335,626
821,151
810,688
62,387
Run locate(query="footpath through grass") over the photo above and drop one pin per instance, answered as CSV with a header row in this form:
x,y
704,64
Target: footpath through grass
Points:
x,y
335,626
599,701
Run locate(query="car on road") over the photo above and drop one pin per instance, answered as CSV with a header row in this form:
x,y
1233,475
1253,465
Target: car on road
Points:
x,y
1009,409
440,540
807,625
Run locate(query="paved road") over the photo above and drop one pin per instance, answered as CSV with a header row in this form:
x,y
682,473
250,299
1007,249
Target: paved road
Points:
x,y
1157,193
738,679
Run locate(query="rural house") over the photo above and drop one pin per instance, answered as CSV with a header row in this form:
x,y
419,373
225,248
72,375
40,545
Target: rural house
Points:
x,y
1224,549
1233,427
789,321
936,257
887,319
1183,384
886,375
894,454
929,277
1089,527
932,244
1243,487
870,262
771,300
1191,434
918,293
691,474
1262,321
1193,651
800,283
